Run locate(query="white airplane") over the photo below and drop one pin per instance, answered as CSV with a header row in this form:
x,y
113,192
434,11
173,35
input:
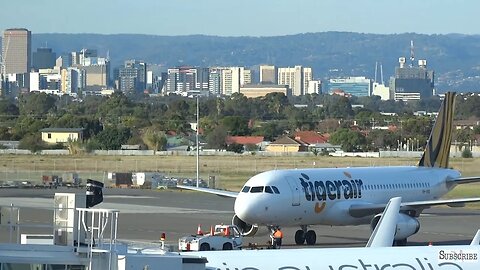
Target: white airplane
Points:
x,y
378,254
352,195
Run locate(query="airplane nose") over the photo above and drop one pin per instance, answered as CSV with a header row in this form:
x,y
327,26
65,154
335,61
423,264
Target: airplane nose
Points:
x,y
246,209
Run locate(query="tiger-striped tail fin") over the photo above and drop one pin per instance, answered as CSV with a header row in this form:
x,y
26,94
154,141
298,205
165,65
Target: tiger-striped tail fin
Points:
x,y
437,149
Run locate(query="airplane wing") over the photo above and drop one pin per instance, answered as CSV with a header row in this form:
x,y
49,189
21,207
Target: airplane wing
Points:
x,y
476,239
223,193
367,209
384,233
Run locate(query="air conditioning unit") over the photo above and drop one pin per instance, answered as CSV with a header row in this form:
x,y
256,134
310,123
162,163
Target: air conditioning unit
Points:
x,y
65,218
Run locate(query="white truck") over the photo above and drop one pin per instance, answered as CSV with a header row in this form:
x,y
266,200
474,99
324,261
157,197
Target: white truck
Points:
x,y
223,237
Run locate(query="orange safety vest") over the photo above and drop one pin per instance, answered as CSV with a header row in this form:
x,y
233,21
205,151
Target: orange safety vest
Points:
x,y
278,234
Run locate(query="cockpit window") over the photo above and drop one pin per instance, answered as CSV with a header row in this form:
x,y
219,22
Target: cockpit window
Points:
x,y
256,190
275,189
268,190
246,189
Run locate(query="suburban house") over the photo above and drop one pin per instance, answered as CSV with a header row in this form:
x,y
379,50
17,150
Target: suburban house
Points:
x,y
246,140
315,141
61,135
286,145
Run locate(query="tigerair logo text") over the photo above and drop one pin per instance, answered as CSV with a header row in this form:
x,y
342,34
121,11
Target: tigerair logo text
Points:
x,y
318,190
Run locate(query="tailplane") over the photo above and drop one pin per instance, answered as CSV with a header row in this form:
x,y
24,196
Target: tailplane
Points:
x,y
437,149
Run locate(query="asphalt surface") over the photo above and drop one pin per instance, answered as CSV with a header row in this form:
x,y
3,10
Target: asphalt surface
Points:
x,y
145,214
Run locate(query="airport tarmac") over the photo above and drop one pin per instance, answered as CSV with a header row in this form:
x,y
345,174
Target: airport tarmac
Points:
x,y
145,214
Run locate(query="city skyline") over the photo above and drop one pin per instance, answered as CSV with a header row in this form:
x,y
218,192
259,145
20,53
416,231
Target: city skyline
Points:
x,y
242,18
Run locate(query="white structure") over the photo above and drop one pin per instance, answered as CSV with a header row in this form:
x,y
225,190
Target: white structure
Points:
x,y
314,87
233,78
381,90
70,81
268,74
45,79
296,78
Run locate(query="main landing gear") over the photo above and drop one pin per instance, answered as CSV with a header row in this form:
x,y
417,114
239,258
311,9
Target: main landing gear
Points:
x,y
304,235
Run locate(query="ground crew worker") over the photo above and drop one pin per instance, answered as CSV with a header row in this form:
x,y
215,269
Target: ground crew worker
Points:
x,y
277,238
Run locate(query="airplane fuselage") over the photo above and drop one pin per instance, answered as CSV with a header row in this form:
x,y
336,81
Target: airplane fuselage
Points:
x,y
324,196
388,258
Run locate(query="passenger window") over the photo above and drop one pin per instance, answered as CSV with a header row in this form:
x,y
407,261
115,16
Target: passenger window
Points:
x,y
246,189
256,190
268,190
275,189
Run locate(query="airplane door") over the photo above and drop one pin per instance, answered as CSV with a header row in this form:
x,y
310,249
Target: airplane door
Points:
x,y
295,191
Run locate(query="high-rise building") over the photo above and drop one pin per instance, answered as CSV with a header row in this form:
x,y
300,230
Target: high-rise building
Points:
x,y
181,80
296,78
410,82
96,71
43,58
133,77
268,74
16,51
214,81
314,87
202,78
233,78
70,81
247,77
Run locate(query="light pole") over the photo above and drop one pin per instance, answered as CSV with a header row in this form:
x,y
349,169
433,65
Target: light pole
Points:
x,y
198,150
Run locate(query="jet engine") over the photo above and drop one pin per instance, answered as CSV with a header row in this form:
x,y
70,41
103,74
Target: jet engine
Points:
x,y
245,228
406,226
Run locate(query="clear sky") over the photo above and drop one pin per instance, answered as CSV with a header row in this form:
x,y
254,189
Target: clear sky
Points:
x,y
241,17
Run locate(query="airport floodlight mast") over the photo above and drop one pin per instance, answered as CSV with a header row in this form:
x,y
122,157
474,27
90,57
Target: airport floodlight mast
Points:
x,y
198,151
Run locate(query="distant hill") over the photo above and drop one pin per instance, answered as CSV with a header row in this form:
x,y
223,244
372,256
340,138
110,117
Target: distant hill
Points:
x,y
455,58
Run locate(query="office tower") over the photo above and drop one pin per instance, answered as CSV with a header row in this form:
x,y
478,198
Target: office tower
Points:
x,y
268,74
296,78
214,81
70,81
16,51
181,80
247,77
84,55
96,73
232,78
133,77
410,82
355,86
314,87
43,58
64,60
201,78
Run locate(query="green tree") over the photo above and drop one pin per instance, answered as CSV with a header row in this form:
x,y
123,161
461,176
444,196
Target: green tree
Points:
x,y
236,125
235,147
112,138
32,142
216,138
276,104
466,153
155,140
27,125
36,104
350,140
270,130
338,107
